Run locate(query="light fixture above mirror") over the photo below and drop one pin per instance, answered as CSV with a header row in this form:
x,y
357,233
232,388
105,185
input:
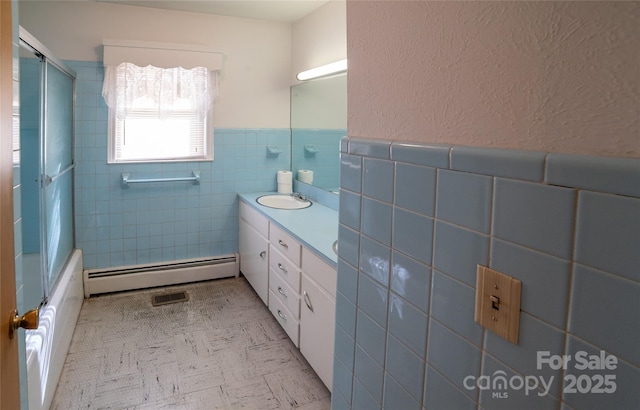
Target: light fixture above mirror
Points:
x,y
336,67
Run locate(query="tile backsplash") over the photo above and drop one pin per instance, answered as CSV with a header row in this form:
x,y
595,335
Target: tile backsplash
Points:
x,y
167,221
317,150
416,220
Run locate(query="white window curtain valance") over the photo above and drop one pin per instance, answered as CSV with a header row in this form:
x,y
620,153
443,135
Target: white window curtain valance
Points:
x,y
163,90
163,55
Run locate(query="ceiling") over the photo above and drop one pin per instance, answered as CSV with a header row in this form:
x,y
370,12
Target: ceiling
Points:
x,y
287,11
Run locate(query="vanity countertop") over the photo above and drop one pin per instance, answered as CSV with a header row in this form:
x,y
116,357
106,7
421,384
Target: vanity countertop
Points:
x,y
316,227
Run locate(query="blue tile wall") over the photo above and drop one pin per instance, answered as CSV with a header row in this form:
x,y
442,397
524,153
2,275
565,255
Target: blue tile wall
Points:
x,y
162,222
464,199
324,162
370,375
371,337
396,397
566,226
414,188
405,367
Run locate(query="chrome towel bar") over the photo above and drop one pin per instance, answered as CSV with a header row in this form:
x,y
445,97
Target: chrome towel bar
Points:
x,y
195,179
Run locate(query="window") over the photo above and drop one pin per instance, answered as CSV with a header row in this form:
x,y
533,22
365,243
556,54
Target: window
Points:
x,y
159,114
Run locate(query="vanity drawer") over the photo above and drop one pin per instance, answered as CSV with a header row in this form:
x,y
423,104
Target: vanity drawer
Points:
x,y
286,268
285,318
283,242
255,219
320,271
281,289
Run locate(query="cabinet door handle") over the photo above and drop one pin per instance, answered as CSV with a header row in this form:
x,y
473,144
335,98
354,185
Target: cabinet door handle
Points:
x,y
282,292
282,268
307,301
263,254
281,315
283,244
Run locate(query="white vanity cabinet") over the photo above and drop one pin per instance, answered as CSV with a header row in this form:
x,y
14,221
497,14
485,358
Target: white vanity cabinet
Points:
x,y
317,315
298,286
284,281
254,249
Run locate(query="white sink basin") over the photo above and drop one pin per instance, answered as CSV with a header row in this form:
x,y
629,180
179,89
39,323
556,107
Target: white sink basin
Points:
x,y
283,202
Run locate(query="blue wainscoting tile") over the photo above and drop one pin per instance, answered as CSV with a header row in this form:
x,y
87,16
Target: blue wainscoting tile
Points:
x,y
604,174
376,220
350,209
453,303
408,324
464,199
415,188
432,155
371,337
339,402
362,399
605,311
351,172
452,356
545,294
346,314
375,260
411,280
517,164
608,233
535,336
342,383
344,144
405,367
378,179
534,215
344,347
349,248
517,398
348,280
412,234
372,299
458,251
370,148
439,393
370,374
627,380
396,397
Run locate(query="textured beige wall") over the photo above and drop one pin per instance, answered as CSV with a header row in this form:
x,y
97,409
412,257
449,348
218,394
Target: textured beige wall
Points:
x,y
553,76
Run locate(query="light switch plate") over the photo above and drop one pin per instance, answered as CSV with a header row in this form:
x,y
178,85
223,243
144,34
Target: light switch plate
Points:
x,y
498,303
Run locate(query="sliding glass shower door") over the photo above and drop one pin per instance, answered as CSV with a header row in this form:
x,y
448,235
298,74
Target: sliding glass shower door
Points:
x,y
57,179
46,137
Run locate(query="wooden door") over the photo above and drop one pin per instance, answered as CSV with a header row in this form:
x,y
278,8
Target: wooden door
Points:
x,y
9,377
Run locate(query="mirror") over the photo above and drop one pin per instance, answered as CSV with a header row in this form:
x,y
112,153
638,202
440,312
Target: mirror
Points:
x,y
318,122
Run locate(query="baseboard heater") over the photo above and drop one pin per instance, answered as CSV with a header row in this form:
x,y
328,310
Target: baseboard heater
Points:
x,y
133,277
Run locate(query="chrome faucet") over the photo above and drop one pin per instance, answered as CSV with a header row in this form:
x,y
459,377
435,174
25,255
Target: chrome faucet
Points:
x,y
299,196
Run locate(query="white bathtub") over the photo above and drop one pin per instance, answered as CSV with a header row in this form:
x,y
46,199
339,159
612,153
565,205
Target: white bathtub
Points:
x,y
47,346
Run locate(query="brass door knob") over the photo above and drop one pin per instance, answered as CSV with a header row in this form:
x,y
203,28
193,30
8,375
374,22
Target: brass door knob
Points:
x,y
27,321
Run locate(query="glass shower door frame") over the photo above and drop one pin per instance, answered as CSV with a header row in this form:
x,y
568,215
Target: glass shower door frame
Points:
x,y
47,62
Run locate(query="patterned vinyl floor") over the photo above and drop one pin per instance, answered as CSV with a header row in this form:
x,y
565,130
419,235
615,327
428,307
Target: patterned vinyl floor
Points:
x,y
221,349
